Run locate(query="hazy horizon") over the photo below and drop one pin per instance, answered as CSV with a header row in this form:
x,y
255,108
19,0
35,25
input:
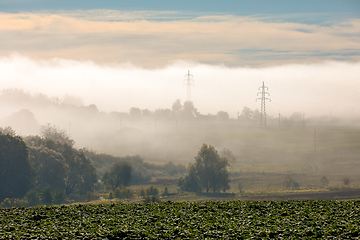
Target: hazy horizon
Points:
x,y
121,54
328,88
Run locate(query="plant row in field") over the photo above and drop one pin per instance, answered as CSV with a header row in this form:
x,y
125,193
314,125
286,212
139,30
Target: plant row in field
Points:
x,y
185,220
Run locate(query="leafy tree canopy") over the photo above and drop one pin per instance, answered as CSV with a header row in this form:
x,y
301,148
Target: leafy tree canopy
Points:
x,y
119,175
80,172
15,169
209,172
51,132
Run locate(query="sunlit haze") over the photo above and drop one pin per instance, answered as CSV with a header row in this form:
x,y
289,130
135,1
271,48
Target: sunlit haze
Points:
x,y
316,89
120,55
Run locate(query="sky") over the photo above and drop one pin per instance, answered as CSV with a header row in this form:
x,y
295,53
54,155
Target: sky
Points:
x,y
122,54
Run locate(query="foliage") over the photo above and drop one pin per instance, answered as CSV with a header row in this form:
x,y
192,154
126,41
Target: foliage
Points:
x,y
209,172
227,153
324,182
103,162
58,196
346,181
249,115
16,174
140,169
191,182
90,196
152,191
46,196
222,115
82,175
50,167
177,107
291,183
32,197
189,111
172,169
76,172
7,131
151,199
10,202
123,192
119,175
183,220
142,193
166,192
53,133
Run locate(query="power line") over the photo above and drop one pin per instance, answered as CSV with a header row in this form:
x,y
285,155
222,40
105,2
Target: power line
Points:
x,y
263,99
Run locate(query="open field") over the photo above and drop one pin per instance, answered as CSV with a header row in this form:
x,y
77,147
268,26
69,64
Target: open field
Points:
x,y
311,149
185,220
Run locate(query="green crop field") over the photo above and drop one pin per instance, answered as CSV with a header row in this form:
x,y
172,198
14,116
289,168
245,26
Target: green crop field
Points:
x,y
186,220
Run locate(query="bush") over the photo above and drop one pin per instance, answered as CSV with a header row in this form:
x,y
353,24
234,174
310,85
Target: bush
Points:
x,y
142,193
152,191
32,197
324,182
346,181
91,196
59,196
291,183
10,202
166,192
123,192
111,195
151,199
46,196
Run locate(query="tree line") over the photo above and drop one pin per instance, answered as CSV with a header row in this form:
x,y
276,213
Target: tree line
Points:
x,y
38,163
45,169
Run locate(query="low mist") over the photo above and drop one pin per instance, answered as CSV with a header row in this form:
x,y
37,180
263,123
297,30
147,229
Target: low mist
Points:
x,y
329,88
121,109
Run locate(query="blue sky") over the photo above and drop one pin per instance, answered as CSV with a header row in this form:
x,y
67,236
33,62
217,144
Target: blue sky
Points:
x,y
237,7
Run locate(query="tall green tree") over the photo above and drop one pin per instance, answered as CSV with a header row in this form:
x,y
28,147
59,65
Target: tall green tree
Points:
x,y
50,168
189,111
209,172
15,169
118,176
81,173
191,182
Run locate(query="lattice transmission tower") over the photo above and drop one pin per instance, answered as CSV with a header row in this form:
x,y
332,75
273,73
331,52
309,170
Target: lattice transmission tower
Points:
x,y
189,81
263,99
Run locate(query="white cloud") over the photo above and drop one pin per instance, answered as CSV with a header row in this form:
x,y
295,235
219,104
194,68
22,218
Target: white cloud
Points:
x,y
144,40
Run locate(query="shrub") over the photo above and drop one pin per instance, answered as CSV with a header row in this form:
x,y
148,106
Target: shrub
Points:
x,y
166,192
291,183
324,182
152,191
346,181
10,202
123,192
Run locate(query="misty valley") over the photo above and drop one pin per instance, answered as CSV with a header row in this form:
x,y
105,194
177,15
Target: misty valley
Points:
x,y
179,119
291,154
